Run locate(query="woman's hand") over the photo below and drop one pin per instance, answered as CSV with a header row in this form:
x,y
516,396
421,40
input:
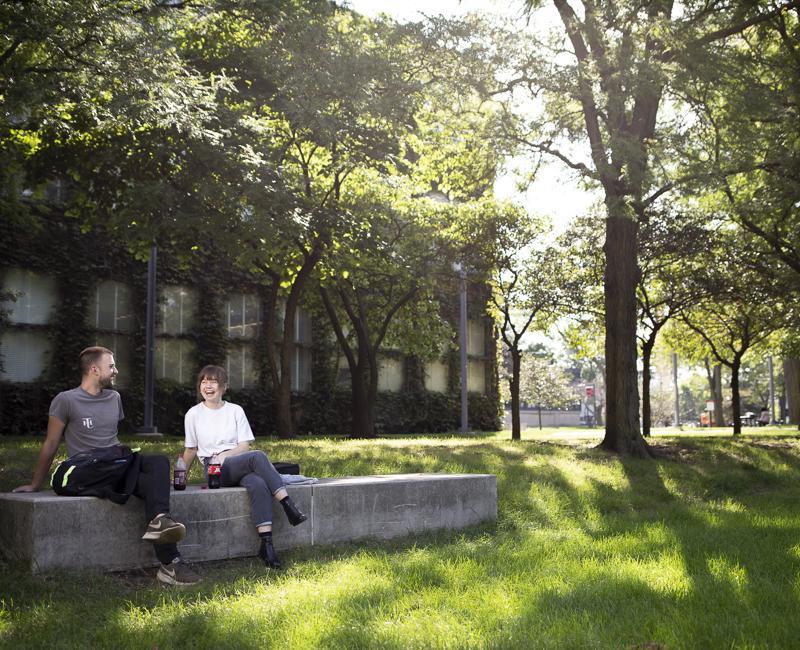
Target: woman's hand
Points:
x,y
241,448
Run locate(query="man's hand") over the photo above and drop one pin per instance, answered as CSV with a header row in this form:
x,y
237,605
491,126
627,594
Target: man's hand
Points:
x,y
55,429
26,488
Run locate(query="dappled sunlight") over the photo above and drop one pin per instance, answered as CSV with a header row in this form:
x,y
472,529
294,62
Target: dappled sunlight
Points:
x,y
681,546
645,541
664,575
728,505
547,496
728,572
571,437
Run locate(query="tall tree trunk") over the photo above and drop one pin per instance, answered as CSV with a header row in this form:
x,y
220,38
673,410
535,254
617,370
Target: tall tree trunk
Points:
x,y
735,397
719,411
621,276
714,377
362,426
647,354
513,384
270,321
283,403
284,397
372,393
791,379
362,397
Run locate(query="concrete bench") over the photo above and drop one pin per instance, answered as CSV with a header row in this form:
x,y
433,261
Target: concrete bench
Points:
x,y
48,532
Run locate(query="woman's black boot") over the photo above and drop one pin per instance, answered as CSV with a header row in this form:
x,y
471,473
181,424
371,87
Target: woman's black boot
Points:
x,y
294,516
267,553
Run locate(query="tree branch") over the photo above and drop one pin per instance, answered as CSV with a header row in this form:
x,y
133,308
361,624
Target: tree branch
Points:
x,y
738,28
590,112
337,328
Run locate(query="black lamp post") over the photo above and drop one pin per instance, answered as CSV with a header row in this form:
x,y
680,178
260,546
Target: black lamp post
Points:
x,y
148,428
462,342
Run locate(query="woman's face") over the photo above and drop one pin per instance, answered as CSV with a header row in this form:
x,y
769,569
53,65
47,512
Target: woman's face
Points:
x,y
211,389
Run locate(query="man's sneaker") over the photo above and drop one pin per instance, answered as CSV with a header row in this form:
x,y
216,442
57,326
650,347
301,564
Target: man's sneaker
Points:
x,y
164,530
177,572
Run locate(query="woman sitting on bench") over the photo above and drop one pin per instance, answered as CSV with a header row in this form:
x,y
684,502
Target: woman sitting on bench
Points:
x,y
218,432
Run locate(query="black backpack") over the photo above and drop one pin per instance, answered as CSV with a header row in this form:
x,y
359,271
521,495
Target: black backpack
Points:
x,y
105,472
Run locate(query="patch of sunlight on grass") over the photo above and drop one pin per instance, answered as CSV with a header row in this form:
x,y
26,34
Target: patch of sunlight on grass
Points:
x,y
428,624
728,572
5,616
715,513
638,542
667,575
728,505
774,521
575,474
549,500
572,437
415,608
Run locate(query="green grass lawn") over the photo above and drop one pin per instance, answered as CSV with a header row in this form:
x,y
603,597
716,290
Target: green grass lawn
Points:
x,y
699,549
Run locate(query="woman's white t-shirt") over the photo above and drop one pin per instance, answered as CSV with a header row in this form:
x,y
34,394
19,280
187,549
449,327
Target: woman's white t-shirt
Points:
x,y
213,431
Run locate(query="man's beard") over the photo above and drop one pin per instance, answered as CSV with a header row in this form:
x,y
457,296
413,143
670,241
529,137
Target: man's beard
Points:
x,y
108,382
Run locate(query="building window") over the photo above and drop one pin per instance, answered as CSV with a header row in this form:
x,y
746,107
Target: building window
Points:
x,y
110,307
390,374
26,355
241,365
36,297
175,354
476,376
476,345
178,310
436,376
343,376
476,352
242,315
175,360
242,318
301,354
111,317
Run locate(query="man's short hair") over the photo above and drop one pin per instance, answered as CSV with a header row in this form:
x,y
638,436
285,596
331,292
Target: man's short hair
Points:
x,y
91,356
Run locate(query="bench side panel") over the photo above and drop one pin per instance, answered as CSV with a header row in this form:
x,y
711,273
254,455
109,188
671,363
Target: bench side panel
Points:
x,y
352,509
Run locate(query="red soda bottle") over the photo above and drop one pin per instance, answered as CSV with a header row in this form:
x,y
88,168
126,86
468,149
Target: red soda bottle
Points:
x,y
214,470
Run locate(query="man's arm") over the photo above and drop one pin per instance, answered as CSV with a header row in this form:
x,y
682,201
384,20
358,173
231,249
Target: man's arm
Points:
x,y
55,429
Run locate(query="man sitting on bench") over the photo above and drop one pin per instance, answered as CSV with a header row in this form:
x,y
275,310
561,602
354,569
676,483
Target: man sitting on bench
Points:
x,y
88,417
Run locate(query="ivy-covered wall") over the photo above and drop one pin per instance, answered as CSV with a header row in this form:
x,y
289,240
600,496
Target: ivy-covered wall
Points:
x,y
55,246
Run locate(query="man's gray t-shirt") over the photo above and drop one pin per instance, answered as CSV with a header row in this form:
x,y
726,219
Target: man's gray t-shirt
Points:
x,y
91,420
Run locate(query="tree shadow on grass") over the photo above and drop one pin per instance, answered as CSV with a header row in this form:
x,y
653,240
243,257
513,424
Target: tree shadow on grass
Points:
x,y
735,548
131,610
684,554
738,568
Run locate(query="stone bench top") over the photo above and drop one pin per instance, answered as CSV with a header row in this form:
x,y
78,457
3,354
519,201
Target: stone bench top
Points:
x,y
53,532
373,479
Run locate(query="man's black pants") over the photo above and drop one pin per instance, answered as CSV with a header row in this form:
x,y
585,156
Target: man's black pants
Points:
x,y
153,488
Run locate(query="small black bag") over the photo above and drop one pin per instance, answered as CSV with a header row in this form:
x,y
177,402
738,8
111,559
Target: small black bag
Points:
x,y
105,472
286,468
